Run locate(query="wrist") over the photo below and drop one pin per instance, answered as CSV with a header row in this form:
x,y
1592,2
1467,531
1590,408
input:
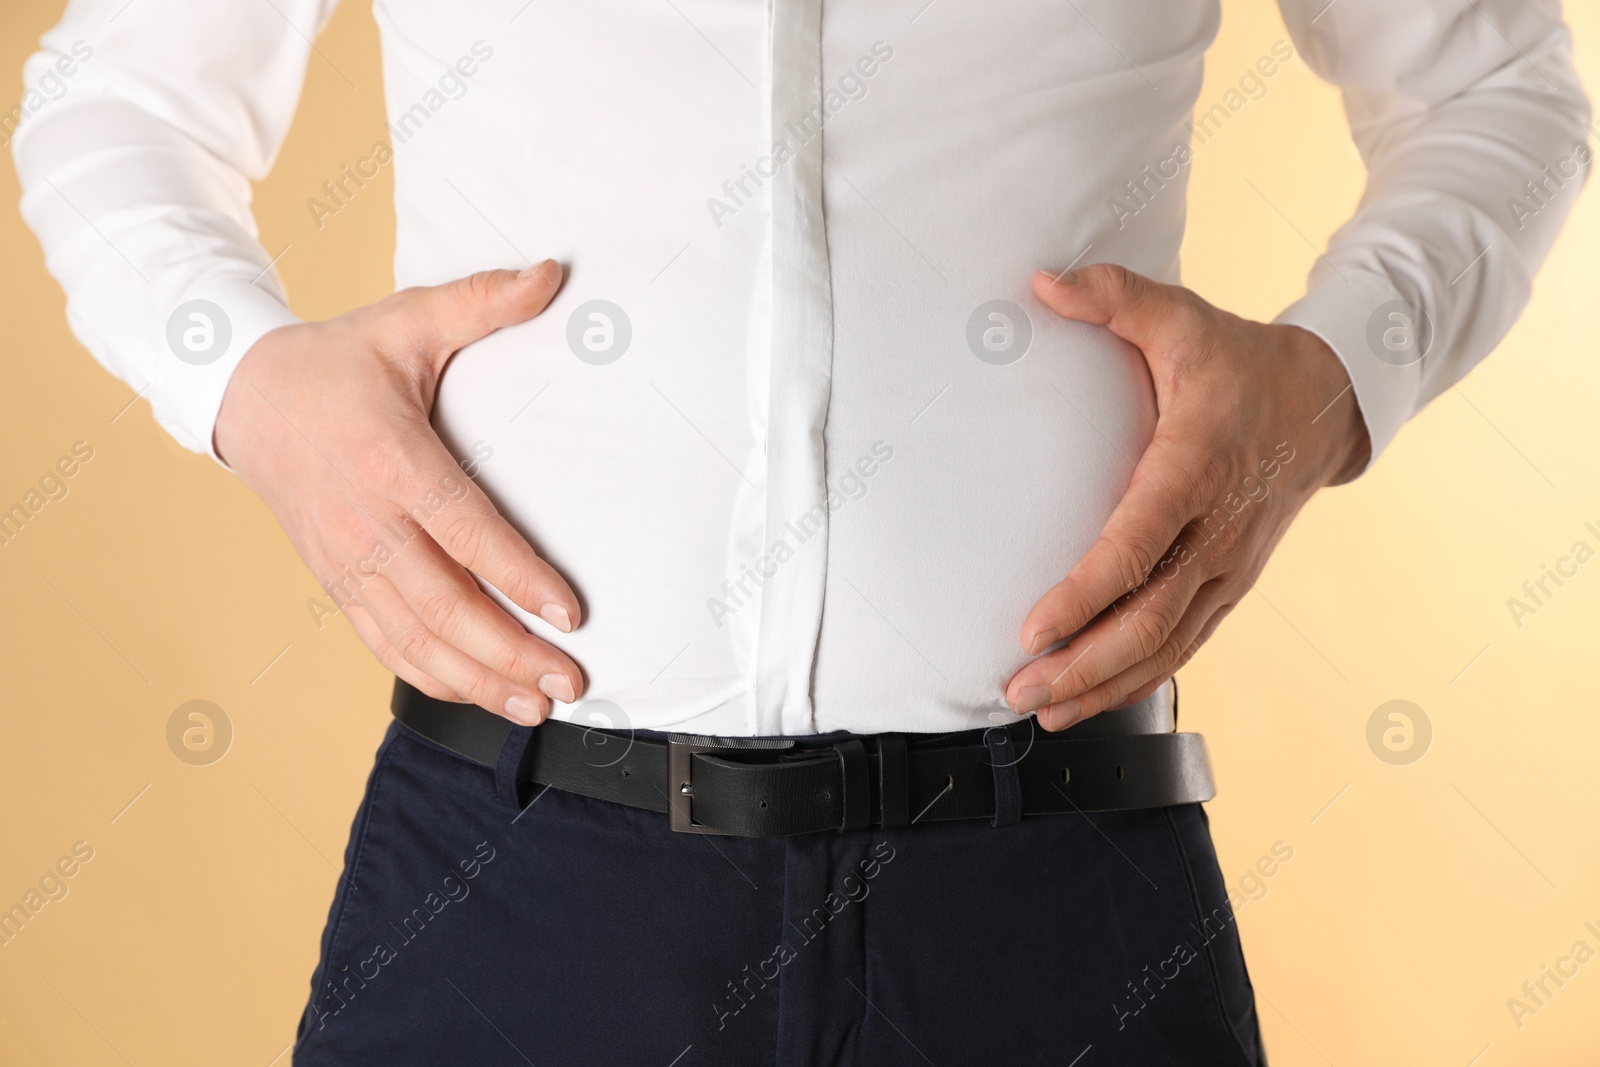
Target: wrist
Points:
x,y
229,431
1337,433
208,334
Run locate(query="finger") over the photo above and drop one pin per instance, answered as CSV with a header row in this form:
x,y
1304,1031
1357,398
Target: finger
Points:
x,y
445,597
1162,498
1145,313
386,654
1205,632
432,655
441,319
1208,607
1133,629
1146,689
430,486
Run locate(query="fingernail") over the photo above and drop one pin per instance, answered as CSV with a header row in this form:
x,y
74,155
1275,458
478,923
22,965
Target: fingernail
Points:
x,y
1043,640
524,710
1063,277
557,687
556,616
549,269
1064,714
1032,698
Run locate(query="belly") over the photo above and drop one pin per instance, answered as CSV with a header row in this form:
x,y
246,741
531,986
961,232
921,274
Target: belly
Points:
x,y
960,490
988,480
968,465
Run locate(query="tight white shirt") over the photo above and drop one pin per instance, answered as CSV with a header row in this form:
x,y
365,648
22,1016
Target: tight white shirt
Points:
x,y
826,476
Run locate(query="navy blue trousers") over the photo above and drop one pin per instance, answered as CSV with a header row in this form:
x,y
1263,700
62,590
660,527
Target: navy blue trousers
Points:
x,y
569,931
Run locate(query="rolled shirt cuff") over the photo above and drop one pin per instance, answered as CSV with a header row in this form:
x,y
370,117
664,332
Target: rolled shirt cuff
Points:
x,y
1379,336
204,337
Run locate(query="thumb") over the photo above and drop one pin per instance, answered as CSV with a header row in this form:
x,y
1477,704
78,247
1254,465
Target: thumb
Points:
x,y
442,319
1142,312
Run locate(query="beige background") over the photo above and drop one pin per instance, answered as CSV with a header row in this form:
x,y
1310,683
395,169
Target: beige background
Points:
x,y
1419,898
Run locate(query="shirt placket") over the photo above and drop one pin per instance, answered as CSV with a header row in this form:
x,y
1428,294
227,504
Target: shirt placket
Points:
x,y
800,358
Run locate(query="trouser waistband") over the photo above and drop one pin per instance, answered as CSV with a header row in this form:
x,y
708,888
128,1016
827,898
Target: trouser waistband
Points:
x,y
769,787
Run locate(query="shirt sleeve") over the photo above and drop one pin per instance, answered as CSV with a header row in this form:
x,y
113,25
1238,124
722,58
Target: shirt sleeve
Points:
x,y
141,128
1473,127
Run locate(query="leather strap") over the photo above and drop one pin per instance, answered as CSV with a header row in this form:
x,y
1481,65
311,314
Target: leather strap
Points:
x,y
1130,760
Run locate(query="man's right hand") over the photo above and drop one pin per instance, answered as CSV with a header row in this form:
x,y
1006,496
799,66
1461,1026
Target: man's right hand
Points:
x,y
328,422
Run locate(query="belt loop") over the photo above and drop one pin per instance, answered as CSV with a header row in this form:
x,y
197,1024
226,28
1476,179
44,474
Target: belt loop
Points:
x,y
1003,759
857,800
894,796
508,767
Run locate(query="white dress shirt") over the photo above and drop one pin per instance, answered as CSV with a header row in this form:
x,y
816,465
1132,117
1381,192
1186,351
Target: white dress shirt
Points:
x,y
811,477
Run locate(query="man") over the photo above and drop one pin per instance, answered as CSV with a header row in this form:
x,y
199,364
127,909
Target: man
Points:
x,y
804,506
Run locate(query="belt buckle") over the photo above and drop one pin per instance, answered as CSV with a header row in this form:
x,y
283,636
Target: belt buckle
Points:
x,y
681,749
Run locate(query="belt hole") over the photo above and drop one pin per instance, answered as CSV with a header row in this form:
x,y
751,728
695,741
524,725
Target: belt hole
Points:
x,y
762,802
1119,772
1066,775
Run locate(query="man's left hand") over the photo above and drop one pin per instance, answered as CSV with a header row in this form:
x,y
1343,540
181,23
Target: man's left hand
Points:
x,y
1252,419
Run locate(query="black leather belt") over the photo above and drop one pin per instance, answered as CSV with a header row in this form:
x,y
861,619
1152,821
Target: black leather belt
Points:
x,y
761,787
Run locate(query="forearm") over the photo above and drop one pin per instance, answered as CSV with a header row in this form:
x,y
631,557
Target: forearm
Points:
x,y
136,178
1473,127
